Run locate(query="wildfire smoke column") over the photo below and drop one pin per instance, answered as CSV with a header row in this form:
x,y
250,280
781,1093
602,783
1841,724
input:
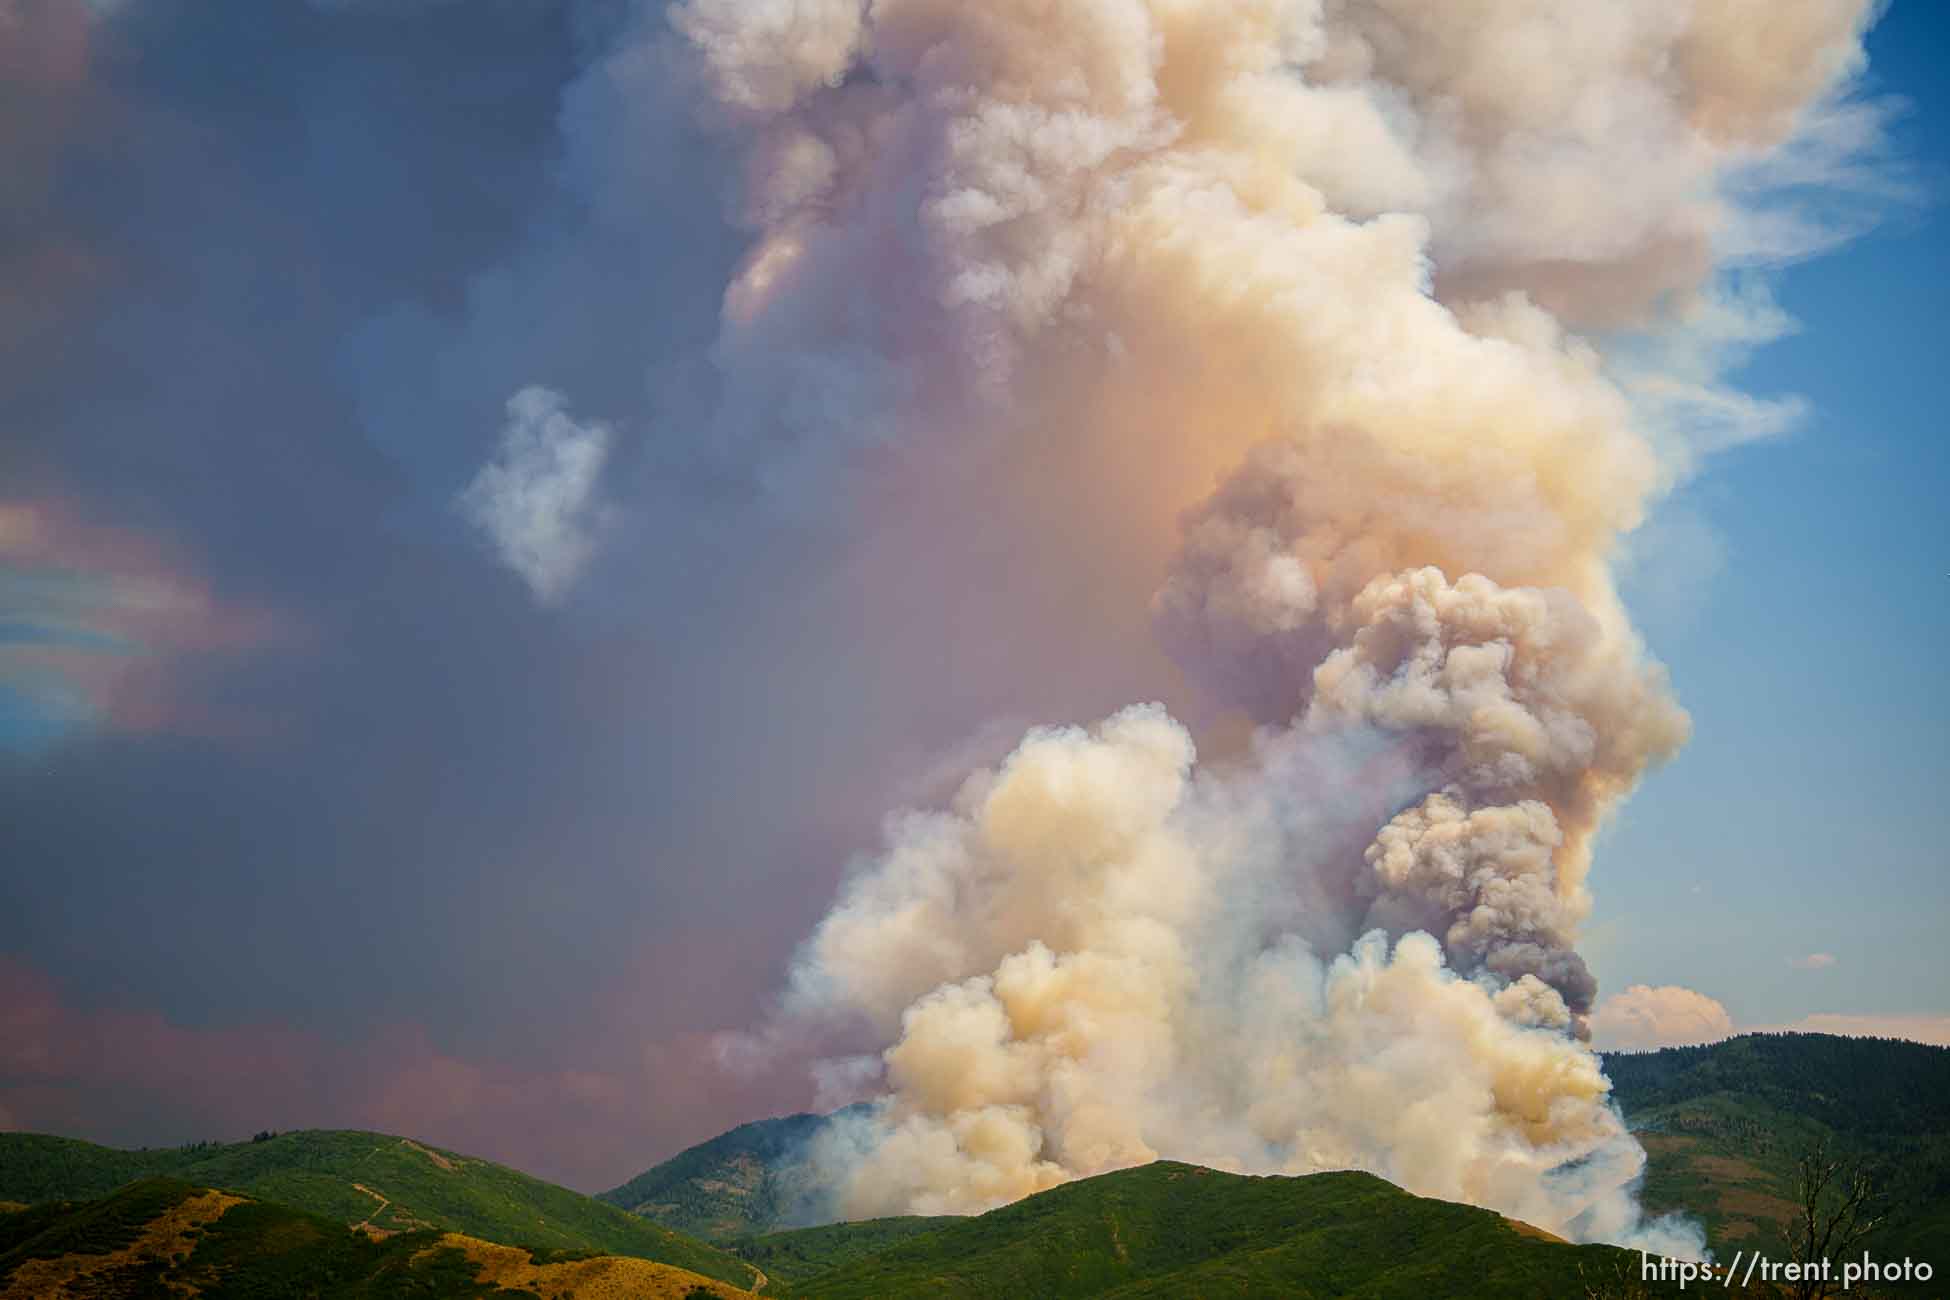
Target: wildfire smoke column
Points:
x,y
1329,256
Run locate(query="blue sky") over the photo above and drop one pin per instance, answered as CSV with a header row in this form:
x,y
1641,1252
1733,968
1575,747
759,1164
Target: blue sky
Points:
x,y
1807,814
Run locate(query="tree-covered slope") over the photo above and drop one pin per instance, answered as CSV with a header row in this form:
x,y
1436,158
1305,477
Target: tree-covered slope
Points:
x,y
387,1183
1725,1125
37,1167
801,1253
1863,1085
731,1186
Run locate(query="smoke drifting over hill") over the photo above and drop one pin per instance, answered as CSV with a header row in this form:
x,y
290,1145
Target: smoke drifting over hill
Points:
x,y
1330,257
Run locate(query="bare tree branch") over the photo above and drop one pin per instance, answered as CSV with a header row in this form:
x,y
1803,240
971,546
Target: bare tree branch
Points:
x,y
1838,1208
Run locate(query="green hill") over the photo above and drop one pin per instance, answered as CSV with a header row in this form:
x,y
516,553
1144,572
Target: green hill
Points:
x,y
1724,1126
806,1252
164,1237
1163,1230
386,1183
1177,1230
734,1185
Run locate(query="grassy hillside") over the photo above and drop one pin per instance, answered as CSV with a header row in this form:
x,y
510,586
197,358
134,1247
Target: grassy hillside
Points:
x,y
731,1186
1178,1230
162,1236
1724,1126
386,1183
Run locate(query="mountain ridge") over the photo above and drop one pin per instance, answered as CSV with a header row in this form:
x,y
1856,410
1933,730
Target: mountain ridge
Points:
x,y
382,1183
162,1236
1161,1229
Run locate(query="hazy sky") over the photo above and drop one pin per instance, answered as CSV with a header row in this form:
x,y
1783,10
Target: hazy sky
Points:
x,y
318,810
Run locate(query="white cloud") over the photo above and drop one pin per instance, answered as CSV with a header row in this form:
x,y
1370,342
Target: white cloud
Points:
x,y
1643,1018
536,499
1813,961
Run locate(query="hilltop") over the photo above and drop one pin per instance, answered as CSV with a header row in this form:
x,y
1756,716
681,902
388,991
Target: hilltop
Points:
x,y
736,1184
162,1236
376,1181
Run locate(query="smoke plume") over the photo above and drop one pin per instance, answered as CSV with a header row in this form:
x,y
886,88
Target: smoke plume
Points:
x,y
1319,263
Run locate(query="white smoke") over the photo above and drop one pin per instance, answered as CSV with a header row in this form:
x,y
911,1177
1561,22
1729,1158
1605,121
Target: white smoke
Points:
x,y
1094,959
536,501
1328,255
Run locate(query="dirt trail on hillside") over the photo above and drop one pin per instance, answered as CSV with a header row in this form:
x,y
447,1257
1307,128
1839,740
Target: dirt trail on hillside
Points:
x,y
430,1154
365,1225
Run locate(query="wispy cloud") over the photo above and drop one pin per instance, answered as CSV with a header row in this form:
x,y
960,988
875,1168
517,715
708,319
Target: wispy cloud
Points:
x,y
1813,961
536,501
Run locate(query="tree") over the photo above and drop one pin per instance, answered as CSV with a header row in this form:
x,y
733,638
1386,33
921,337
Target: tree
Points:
x,y
1623,1284
1837,1206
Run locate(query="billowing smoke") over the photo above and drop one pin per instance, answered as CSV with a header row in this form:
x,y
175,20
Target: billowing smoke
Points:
x,y
1319,263
1101,955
